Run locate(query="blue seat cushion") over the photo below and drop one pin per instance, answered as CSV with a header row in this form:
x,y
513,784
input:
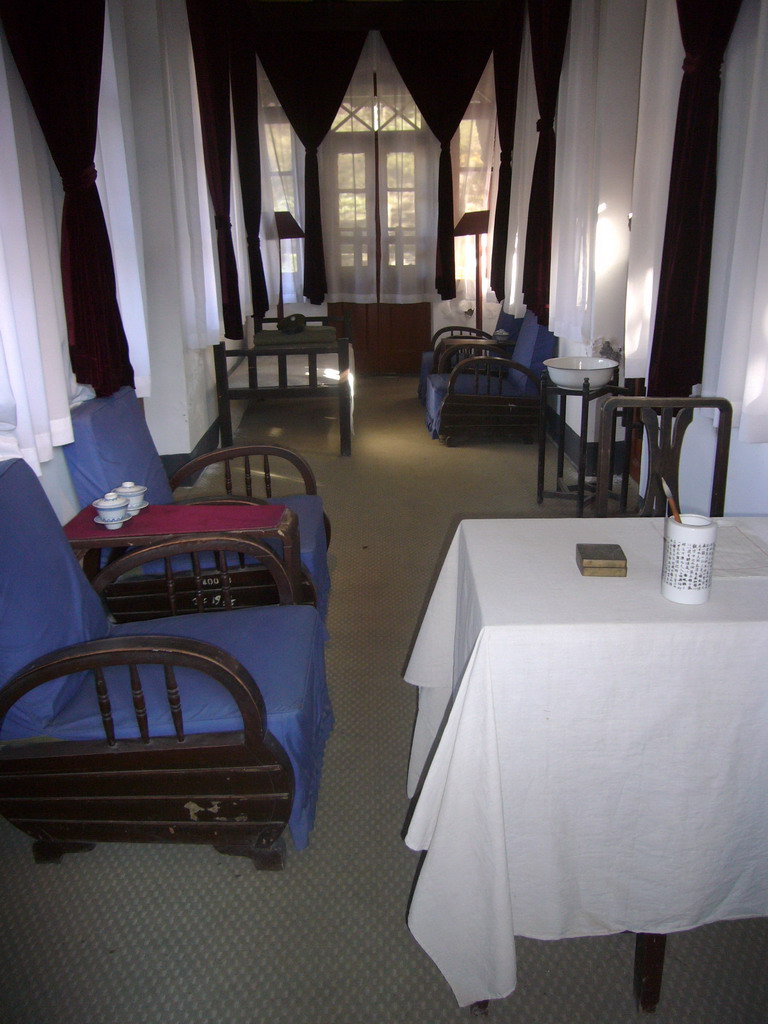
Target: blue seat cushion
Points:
x,y
112,444
283,649
526,342
45,600
545,348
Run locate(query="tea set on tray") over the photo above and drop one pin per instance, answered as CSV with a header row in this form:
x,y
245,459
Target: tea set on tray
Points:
x,y
120,505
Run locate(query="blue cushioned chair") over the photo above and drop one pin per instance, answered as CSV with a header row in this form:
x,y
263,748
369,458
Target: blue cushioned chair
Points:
x,y
204,728
534,344
112,443
505,335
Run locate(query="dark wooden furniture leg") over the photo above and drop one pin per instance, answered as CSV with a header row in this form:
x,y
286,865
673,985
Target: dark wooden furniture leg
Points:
x,y
649,967
50,852
222,394
345,399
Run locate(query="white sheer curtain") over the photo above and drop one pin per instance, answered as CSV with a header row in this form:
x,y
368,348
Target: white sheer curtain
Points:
x,y
193,219
118,190
36,381
523,158
409,157
474,151
35,377
660,78
736,355
240,236
576,186
282,189
347,158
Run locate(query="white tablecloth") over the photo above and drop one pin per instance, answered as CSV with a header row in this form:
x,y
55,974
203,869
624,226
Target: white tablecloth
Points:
x,y
604,762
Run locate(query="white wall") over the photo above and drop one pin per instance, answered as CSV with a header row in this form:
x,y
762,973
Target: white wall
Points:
x,y
747,488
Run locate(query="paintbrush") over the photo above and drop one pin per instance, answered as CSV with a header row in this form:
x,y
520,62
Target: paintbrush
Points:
x,y
672,503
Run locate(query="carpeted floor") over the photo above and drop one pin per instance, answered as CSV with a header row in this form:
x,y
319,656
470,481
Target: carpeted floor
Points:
x,y
163,935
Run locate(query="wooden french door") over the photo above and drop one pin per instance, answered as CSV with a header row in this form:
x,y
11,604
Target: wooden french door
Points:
x,y
387,338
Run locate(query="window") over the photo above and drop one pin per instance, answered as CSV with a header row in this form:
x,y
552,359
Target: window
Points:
x,y
378,180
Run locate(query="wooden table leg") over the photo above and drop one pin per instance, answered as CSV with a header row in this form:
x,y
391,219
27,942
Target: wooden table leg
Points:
x,y
480,1009
649,967
345,399
222,393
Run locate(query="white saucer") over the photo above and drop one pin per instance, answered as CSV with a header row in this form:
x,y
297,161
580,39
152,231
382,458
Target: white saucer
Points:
x,y
115,524
135,511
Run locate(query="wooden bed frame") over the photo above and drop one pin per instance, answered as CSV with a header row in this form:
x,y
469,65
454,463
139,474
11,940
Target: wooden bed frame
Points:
x,y
320,339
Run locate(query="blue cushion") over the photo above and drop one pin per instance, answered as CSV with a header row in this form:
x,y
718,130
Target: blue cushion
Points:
x,y
507,328
437,389
283,649
427,361
545,348
526,341
112,444
45,600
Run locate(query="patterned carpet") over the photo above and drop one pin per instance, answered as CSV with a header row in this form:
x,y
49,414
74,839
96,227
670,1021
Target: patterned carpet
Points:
x,y
163,935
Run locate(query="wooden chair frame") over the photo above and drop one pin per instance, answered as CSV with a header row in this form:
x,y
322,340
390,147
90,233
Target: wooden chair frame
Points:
x,y
233,791
257,462
484,413
189,584
664,421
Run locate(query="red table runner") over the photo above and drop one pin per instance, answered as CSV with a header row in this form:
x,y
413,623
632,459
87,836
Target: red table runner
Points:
x,y
165,519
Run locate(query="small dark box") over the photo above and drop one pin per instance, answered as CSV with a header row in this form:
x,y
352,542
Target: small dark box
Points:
x,y
601,560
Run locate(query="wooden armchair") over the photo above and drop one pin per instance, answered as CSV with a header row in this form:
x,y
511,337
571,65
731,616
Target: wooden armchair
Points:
x,y
192,727
485,396
112,443
444,338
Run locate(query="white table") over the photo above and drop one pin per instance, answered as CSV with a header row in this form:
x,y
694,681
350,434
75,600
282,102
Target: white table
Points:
x,y
603,763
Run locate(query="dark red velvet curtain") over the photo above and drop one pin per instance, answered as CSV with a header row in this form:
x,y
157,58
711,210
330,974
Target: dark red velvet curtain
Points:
x,y
506,70
441,70
245,110
209,31
57,48
310,72
677,354
548,21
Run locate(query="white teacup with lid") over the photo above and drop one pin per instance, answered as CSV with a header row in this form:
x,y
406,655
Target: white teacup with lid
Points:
x,y
112,509
135,495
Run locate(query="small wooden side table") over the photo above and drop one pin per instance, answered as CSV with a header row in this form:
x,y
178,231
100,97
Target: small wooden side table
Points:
x,y
574,492
173,522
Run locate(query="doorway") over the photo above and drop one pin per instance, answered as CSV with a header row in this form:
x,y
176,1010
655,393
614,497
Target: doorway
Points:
x,y
387,337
